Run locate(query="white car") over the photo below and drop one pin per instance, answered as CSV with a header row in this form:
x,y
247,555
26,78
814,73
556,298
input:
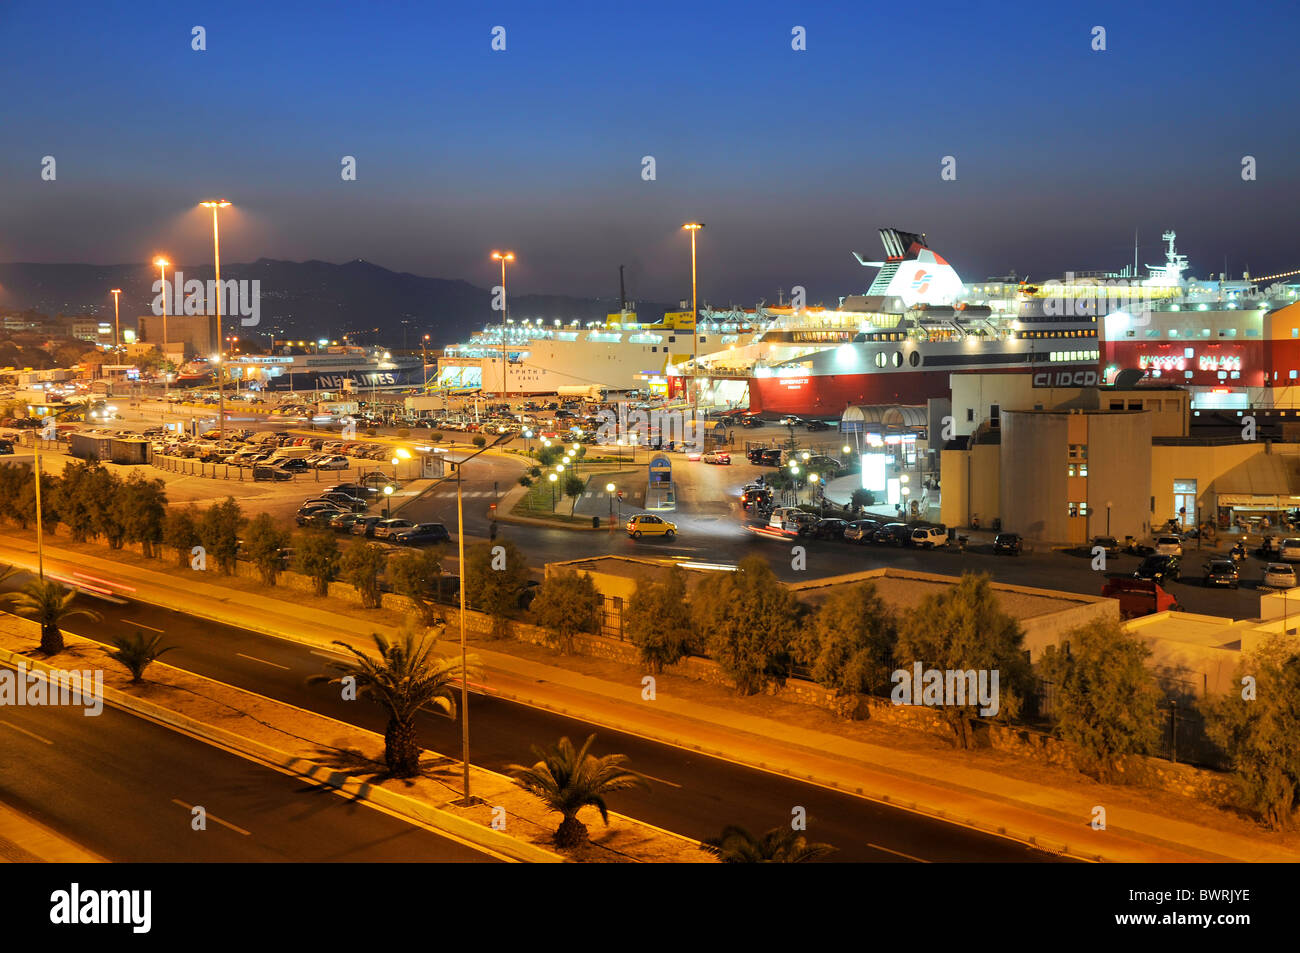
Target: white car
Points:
x,y
1279,576
1169,546
1289,550
929,537
334,462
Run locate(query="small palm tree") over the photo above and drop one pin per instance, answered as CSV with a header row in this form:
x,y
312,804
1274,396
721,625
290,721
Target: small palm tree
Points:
x,y
780,845
566,781
406,677
49,603
137,652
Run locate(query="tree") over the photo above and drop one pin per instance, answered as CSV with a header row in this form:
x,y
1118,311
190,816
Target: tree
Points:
x,y
963,629
1259,727
493,578
181,532
573,487
318,557
48,603
780,845
219,533
406,677
360,566
1105,701
750,620
480,442
137,652
265,545
861,498
566,781
658,621
567,603
143,507
104,488
418,576
77,501
849,645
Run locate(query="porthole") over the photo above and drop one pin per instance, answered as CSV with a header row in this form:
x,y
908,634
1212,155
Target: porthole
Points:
x,y
880,359
898,358
914,358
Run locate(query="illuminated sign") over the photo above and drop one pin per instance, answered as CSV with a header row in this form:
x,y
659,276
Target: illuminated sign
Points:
x,y
1213,362
1162,362
1089,378
793,383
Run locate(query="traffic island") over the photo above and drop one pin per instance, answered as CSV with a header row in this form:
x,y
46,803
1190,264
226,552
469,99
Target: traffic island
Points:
x,y
504,820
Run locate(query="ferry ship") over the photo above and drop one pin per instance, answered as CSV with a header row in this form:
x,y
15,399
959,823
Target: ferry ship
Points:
x,y
331,368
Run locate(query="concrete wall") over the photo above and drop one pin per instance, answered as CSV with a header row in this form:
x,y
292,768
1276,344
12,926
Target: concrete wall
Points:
x,y
1119,465
1202,464
1033,486
970,485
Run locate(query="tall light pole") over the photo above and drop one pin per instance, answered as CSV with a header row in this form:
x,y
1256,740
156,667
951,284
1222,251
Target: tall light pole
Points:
x,y
424,363
216,205
503,257
694,227
115,292
162,264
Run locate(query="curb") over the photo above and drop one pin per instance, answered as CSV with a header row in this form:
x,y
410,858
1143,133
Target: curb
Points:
x,y
519,851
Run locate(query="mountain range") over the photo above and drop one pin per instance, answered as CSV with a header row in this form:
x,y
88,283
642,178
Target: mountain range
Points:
x,y
307,299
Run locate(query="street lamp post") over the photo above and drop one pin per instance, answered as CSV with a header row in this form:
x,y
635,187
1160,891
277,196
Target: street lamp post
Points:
x,y
1108,502
504,257
115,292
424,363
694,227
609,494
216,205
162,264
552,477
388,501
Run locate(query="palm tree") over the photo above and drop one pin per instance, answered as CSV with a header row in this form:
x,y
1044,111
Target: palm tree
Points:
x,y
406,677
137,652
49,603
567,781
780,845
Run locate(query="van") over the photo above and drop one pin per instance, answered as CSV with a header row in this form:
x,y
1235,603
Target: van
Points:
x,y
780,516
928,537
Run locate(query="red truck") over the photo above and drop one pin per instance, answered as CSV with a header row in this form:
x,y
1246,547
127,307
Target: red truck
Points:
x,y
1139,597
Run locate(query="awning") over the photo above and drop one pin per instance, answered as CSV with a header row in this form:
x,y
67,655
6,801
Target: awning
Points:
x,y
1265,478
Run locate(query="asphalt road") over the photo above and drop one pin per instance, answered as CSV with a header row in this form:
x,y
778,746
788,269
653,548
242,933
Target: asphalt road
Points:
x,y
124,787
692,794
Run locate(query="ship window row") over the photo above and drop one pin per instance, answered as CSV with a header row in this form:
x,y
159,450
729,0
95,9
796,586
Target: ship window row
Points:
x,y
1205,333
884,358
1091,333
1075,355
894,336
1048,318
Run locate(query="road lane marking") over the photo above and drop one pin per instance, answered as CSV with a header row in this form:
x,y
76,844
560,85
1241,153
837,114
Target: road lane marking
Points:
x,y
660,780
898,852
329,655
142,625
212,817
263,661
30,734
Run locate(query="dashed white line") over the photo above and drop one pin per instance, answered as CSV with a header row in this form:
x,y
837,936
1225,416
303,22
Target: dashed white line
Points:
x,y
30,734
212,817
142,625
899,853
263,661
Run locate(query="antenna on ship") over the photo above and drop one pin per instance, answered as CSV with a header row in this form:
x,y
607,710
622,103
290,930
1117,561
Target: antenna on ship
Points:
x,y
780,297
622,292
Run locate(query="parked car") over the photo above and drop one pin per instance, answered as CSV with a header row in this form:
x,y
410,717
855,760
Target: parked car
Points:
x,y
365,526
1009,543
1109,544
1173,546
354,489
422,534
718,456
1279,576
343,521
1289,551
860,531
294,466
799,522
309,511
893,534
755,455
345,501
271,473
929,537
332,462
386,527
770,457
647,524
1160,568
1220,572
829,528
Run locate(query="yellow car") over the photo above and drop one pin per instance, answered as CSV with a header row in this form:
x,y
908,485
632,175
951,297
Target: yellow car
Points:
x,y
647,525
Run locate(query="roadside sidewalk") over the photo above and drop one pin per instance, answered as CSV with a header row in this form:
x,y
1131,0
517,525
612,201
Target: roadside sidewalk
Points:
x,y
27,841
1056,818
